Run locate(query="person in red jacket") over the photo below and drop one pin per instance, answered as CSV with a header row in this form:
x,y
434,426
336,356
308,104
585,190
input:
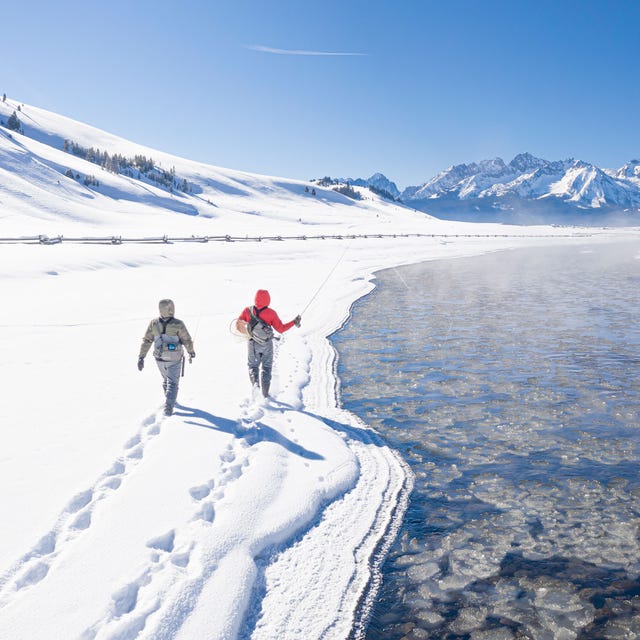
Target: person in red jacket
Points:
x,y
261,321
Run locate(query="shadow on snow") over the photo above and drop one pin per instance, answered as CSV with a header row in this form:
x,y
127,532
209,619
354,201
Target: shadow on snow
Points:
x,y
257,432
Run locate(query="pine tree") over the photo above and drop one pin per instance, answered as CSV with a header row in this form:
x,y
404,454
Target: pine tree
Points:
x,y
13,123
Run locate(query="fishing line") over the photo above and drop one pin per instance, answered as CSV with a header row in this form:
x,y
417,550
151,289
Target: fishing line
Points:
x,y
404,282
335,266
195,333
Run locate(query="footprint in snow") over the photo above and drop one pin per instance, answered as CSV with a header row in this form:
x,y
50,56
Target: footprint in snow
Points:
x,y
132,442
125,599
232,473
80,501
228,456
149,420
116,469
164,542
207,512
45,546
135,453
33,575
181,559
75,518
201,492
83,521
111,483
252,415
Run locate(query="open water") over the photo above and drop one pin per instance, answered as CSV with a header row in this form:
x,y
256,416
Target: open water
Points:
x,y
510,384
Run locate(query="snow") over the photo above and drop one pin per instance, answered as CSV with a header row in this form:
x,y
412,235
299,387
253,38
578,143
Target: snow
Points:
x,y
236,517
527,177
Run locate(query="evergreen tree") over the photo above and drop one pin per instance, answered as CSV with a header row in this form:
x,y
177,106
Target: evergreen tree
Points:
x,y
348,191
13,123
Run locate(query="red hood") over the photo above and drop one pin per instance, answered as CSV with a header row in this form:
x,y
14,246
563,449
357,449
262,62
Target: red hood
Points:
x,y
262,298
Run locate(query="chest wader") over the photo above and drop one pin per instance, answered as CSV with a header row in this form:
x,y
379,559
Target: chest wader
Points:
x,y
260,356
170,368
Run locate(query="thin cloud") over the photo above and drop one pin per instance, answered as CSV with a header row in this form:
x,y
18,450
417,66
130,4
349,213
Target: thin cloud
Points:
x,y
299,52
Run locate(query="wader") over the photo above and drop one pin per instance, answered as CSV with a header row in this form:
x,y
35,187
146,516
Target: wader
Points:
x,y
260,357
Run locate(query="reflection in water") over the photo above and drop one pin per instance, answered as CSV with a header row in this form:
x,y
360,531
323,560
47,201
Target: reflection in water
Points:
x,y
509,382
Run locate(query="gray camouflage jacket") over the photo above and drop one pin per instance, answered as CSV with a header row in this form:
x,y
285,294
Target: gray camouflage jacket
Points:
x,y
174,327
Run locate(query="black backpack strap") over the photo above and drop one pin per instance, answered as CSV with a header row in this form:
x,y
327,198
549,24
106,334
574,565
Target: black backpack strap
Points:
x,y
164,323
255,315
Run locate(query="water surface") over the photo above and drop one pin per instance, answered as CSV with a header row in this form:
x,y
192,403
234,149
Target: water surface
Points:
x,y
509,383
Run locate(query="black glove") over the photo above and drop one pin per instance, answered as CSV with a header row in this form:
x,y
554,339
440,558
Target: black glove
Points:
x,y
297,320
140,364
192,355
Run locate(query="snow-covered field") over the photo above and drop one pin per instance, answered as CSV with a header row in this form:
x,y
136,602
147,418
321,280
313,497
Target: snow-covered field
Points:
x,y
235,517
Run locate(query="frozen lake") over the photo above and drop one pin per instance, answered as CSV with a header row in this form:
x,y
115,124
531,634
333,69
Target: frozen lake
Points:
x,y
509,382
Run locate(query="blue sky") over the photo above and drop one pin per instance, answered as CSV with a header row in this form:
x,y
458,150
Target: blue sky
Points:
x,y
419,85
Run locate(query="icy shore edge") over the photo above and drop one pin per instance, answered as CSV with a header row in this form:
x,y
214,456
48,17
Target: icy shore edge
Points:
x,y
349,540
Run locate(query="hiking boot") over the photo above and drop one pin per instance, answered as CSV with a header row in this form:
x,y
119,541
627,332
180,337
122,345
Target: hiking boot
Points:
x,y
168,410
265,390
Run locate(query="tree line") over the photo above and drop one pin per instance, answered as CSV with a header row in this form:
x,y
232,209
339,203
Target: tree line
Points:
x,y
135,167
349,191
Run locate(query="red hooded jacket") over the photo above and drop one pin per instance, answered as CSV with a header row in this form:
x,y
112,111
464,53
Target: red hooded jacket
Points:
x,y
267,315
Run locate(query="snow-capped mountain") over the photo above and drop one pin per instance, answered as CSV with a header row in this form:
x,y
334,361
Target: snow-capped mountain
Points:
x,y
630,171
377,181
494,184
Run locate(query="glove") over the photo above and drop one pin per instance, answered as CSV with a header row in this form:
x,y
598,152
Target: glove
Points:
x,y
192,355
297,320
140,364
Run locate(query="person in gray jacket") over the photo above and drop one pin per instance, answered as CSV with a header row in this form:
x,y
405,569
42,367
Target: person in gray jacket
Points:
x,y
167,334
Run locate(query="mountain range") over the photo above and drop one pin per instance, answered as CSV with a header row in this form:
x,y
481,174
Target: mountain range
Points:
x,y
46,158
527,188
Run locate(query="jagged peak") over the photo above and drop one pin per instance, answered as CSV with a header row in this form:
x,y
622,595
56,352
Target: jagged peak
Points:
x,y
526,161
529,177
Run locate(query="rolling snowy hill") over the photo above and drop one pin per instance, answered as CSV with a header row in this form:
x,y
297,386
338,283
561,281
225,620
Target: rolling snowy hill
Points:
x,y
55,170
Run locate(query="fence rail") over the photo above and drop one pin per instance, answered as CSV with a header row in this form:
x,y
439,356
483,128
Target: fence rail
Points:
x,y
114,240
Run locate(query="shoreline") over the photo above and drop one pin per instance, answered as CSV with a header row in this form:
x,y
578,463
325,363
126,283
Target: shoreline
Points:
x,y
322,491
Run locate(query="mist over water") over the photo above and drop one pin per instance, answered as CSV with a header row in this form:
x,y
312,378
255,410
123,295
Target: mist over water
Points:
x,y
509,383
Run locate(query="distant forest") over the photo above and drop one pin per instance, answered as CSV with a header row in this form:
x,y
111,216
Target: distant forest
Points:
x,y
135,167
348,190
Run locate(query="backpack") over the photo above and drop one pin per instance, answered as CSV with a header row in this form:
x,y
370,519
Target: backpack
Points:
x,y
166,348
258,330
